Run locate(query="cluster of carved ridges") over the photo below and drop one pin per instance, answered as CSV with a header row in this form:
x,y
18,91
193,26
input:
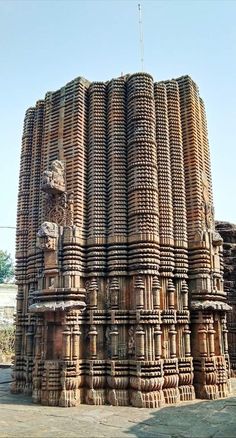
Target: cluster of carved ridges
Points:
x,y
120,383
123,115
113,237
130,342
133,380
227,231
43,140
142,383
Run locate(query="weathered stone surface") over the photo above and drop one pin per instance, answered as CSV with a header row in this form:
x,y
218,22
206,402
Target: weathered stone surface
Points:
x,y
117,252
228,233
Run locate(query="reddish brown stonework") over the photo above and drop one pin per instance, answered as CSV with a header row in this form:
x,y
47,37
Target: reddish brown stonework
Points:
x,y
228,233
120,289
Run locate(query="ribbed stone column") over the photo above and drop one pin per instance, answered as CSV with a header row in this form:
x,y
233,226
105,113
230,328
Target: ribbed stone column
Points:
x,y
97,180
142,176
117,180
117,227
74,138
164,182
206,149
178,183
34,255
22,236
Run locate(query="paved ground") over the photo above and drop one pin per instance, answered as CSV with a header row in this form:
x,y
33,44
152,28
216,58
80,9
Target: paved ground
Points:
x,y
201,419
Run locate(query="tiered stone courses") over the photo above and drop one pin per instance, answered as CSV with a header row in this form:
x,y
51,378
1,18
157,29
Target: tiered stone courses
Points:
x,y
119,266
228,233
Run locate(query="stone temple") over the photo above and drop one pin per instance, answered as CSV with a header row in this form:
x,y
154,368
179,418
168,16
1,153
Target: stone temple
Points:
x,y
119,267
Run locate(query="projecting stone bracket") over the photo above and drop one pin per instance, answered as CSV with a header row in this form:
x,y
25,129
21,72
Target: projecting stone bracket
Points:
x,y
216,239
53,180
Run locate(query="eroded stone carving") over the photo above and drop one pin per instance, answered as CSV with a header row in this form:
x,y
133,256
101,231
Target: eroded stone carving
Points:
x,y
47,236
53,181
59,208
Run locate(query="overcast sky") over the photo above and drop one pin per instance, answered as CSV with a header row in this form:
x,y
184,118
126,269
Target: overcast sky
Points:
x,y
45,44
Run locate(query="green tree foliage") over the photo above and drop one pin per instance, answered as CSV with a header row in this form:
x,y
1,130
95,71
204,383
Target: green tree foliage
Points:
x,y
7,340
6,267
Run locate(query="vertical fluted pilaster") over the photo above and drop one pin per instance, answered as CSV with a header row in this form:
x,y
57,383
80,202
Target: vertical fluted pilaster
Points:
x,y
22,231
74,127
204,244
142,175
198,215
178,183
117,233
206,149
97,180
24,185
164,181
117,182
97,229
143,225
34,255
192,166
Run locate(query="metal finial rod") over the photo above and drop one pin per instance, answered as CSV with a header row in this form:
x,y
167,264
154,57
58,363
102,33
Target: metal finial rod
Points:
x,y
141,36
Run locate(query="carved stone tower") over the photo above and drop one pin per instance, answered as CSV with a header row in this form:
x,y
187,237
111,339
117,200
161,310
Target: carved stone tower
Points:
x,y
119,266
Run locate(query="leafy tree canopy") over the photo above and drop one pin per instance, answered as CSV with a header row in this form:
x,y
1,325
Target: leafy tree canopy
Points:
x,y
6,267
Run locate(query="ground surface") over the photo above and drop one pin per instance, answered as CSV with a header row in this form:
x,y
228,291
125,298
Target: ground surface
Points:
x,y
201,419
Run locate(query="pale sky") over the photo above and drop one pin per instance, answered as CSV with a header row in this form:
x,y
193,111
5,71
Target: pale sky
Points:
x,y
45,44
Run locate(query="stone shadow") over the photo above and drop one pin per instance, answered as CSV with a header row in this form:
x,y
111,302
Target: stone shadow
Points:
x,y
5,395
200,419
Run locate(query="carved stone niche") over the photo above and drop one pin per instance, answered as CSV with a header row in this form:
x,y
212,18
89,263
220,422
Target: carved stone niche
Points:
x,y
53,180
47,236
